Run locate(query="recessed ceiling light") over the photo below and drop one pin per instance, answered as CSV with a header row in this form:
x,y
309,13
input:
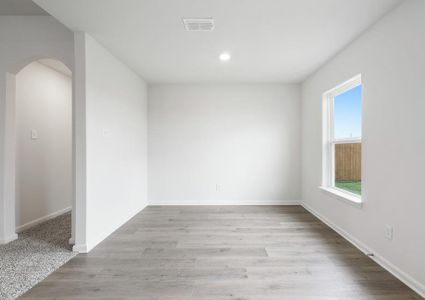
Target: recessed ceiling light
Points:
x,y
225,56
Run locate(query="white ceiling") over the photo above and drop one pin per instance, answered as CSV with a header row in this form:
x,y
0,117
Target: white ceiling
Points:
x,y
269,40
20,8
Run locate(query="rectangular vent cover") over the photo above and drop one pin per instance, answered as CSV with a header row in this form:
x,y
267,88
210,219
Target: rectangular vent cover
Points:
x,y
198,24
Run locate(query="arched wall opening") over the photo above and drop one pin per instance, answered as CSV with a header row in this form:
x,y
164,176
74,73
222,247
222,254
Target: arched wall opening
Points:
x,y
38,152
43,118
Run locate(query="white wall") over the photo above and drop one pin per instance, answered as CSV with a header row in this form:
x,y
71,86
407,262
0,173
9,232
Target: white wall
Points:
x,y
115,110
391,58
43,165
23,40
243,138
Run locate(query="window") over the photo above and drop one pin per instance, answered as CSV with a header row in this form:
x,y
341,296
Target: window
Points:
x,y
342,132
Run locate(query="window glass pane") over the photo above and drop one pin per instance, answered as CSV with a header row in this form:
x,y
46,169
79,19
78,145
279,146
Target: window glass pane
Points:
x,y
348,167
348,114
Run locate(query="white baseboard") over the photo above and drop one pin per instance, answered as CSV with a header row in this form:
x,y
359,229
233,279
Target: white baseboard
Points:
x,y
397,272
212,203
86,248
80,248
42,219
8,239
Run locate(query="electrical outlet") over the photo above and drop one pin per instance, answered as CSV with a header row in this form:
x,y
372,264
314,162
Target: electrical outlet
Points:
x,y
217,187
389,232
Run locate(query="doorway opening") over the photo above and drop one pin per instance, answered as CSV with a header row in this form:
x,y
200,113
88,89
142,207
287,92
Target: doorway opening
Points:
x,y
39,172
43,160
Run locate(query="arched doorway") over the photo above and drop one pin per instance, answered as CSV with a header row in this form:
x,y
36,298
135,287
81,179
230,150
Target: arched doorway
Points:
x,y
23,140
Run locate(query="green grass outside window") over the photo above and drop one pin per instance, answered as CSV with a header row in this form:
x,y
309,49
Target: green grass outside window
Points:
x,y
350,186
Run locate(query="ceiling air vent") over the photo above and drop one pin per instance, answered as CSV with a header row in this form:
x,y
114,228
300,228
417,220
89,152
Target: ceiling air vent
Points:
x,y
198,24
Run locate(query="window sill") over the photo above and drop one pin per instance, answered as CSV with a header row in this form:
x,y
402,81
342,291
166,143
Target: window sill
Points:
x,y
345,197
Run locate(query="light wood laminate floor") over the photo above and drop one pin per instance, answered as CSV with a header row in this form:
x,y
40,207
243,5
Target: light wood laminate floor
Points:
x,y
222,252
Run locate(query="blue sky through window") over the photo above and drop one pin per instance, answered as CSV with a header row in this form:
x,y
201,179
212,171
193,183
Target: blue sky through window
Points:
x,y
348,114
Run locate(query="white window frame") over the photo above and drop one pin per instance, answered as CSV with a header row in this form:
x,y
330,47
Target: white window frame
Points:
x,y
329,142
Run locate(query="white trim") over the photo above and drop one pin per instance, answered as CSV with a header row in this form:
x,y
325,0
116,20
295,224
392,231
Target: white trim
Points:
x,y
346,141
345,196
80,248
42,219
8,239
8,158
329,141
347,85
79,129
86,248
380,260
221,202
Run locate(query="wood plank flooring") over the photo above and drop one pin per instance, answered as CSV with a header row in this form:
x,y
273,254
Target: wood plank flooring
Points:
x,y
222,253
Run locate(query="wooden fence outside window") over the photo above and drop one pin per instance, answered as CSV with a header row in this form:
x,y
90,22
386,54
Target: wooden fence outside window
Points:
x,y
348,159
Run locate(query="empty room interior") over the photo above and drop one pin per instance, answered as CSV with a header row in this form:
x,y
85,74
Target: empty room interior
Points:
x,y
212,149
